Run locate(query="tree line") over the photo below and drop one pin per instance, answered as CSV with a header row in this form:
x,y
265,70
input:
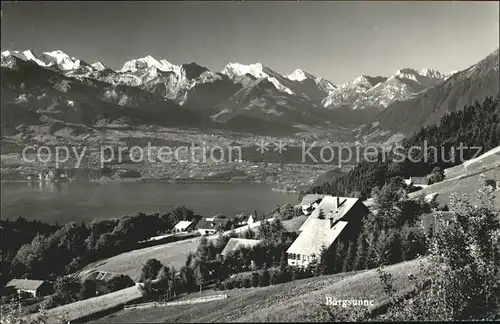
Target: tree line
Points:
x,y
477,125
59,250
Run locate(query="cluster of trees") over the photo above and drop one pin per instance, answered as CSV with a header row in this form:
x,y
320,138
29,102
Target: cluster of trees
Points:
x,y
15,234
392,234
477,125
269,276
286,212
461,278
209,266
74,245
206,266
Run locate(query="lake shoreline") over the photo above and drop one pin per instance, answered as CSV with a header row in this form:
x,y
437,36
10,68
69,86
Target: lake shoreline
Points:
x,y
85,201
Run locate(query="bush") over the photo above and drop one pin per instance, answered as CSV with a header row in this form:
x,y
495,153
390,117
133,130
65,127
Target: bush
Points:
x,y
150,270
255,279
460,281
217,286
229,284
265,278
120,282
221,286
247,283
238,283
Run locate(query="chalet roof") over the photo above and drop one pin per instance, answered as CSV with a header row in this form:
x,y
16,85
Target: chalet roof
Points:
x,y
212,223
102,276
235,243
419,180
315,236
333,207
309,199
25,284
182,225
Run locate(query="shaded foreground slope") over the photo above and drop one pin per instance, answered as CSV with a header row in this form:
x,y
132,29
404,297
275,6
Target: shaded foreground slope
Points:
x,y
293,301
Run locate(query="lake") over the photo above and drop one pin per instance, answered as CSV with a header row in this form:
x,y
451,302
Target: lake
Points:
x,y
82,201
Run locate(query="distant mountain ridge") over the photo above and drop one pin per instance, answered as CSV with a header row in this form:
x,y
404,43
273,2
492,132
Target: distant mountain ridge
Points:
x,y
255,92
379,92
462,88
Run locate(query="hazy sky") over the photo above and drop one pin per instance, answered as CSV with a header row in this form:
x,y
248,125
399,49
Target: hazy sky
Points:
x,y
336,40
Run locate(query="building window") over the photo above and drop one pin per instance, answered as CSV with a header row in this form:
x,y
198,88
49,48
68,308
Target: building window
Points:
x,y
304,258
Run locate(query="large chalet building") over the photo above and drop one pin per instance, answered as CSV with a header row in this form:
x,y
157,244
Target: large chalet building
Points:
x,y
333,219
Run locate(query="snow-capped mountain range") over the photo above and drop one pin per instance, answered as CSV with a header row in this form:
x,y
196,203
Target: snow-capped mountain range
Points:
x,y
238,91
379,92
172,81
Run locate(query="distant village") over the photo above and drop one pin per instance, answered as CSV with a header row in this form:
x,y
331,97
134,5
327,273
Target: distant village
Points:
x,y
50,175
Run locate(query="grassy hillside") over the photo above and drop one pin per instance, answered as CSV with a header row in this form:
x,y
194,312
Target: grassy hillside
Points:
x,y
89,306
293,301
464,178
171,254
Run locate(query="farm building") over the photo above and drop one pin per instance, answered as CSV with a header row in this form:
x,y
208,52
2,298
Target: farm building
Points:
x,y
249,221
183,226
107,282
36,288
237,243
416,182
309,203
208,226
335,218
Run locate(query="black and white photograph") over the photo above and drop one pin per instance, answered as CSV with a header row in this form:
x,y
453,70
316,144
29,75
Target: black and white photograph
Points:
x,y
249,161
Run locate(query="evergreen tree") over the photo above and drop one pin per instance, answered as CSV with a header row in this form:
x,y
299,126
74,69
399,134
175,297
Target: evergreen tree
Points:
x,y
150,269
361,253
88,289
200,274
340,255
255,279
265,278
371,259
221,242
202,252
348,264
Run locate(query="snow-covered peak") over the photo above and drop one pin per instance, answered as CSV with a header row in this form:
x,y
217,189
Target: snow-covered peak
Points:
x,y
63,60
147,62
413,74
300,75
237,69
325,84
26,55
362,82
98,66
362,79
258,71
431,73
29,56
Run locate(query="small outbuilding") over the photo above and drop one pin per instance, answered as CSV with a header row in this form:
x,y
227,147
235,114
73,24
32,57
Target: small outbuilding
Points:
x,y
36,288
